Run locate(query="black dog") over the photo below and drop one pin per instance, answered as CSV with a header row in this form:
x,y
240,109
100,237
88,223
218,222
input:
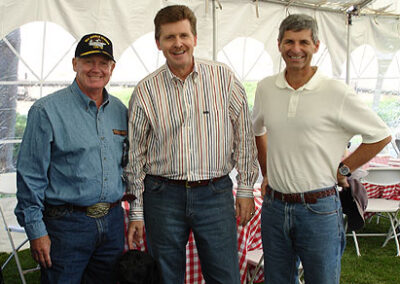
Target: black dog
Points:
x,y
137,267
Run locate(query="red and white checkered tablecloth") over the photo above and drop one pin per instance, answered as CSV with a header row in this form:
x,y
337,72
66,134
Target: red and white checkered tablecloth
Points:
x,y
249,238
383,191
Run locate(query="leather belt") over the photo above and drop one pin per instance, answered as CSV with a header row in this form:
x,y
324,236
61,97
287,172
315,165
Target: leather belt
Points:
x,y
94,211
309,197
186,183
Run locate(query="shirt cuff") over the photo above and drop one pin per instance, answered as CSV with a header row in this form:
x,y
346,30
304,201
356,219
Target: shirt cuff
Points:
x,y
135,213
246,193
35,230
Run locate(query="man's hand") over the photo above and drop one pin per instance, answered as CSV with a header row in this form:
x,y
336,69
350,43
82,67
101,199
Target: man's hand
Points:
x,y
342,180
244,209
264,186
40,250
135,233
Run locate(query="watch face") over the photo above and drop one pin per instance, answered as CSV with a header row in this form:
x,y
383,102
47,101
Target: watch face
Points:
x,y
344,170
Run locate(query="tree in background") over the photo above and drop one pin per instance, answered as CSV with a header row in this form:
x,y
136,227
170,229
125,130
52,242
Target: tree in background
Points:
x,y
8,97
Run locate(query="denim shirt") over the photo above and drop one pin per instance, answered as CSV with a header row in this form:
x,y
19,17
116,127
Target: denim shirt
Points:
x,y
71,153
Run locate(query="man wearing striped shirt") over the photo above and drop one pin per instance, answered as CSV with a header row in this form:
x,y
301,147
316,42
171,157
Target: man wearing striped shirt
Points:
x,y
189,126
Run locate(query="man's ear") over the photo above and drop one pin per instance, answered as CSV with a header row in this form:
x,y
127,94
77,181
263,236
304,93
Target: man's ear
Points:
x,y
74,62
316,46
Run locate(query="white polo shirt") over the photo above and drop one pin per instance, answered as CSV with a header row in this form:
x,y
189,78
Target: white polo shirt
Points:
x,y
309,128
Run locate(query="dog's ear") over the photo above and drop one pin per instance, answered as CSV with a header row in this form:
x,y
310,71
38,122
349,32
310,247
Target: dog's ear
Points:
x,y
156,273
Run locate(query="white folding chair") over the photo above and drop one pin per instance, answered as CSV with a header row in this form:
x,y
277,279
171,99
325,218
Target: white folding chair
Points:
x,y
256,258
396,146
8,186
382,207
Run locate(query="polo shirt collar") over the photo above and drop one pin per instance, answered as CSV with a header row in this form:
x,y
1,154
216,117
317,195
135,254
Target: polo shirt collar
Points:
x,y
281,82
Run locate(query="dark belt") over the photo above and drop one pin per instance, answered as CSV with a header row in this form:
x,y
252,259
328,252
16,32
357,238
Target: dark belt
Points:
x,y
187,183
95,211
309,197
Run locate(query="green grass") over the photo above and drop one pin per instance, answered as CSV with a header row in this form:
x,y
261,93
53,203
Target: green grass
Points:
x,y
10,272
124,94
376,265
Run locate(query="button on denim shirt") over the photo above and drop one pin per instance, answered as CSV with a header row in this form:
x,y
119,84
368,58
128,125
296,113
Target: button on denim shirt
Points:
x,y
71,153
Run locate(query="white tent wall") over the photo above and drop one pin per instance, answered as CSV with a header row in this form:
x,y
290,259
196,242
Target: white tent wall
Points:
x,y
125,21
121,20
382,33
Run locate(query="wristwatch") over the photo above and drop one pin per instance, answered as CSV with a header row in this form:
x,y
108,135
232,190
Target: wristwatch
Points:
x,y
344,170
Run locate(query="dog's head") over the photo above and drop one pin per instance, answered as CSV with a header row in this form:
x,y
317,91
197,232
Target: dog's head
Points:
x,y
137,267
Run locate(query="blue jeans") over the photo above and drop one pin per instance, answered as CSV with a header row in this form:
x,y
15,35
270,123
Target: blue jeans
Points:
x,y
171,211
83,249
312,233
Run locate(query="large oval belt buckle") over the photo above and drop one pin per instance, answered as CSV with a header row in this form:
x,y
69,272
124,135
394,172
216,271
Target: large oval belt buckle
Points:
x,y
98,210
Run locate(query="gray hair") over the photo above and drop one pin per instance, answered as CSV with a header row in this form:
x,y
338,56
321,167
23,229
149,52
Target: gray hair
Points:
x,y
298,22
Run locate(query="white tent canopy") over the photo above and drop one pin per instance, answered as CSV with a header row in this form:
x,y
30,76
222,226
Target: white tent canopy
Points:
x,y
126,22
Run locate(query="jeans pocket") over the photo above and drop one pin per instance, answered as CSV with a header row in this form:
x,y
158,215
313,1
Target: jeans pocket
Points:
x,y
223,185
153,185
267,201
325,206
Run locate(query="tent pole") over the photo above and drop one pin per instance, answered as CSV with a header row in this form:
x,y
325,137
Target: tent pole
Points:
x,y
352,11
349,15
214,15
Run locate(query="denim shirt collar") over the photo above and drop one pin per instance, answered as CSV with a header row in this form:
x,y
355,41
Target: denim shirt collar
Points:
x,y
86,101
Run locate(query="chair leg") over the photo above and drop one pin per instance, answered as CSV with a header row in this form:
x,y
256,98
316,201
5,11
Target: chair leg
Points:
x,y
12,254
356,243
301,273
256,269
392,233
15,253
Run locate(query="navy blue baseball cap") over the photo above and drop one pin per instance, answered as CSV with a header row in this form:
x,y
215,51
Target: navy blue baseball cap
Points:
x,y
94,44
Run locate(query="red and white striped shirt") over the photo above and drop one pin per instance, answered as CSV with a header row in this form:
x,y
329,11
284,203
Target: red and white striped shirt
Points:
x,y
192,130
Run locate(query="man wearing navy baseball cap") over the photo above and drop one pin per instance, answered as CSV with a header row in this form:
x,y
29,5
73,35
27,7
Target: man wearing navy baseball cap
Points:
x,y
69,173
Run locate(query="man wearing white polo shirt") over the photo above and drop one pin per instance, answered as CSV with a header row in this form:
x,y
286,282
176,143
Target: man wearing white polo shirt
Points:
x,y
309,120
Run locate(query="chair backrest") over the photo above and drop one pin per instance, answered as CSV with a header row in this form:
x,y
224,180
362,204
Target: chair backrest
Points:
x,y
397,146
255,257
8,183
383,176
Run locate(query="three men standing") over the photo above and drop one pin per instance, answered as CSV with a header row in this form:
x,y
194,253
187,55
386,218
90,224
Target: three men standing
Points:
x,y
189,126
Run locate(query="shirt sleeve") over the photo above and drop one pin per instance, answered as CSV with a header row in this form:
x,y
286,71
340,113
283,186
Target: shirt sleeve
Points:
x,y
244,148
138,128
358,118
257,115
32,167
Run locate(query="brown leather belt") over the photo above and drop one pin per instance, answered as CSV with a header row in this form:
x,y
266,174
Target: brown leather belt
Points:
x,y
95,211
309,197
187,183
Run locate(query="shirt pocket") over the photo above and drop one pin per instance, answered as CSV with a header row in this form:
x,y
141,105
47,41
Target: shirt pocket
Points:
x,y
121,146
